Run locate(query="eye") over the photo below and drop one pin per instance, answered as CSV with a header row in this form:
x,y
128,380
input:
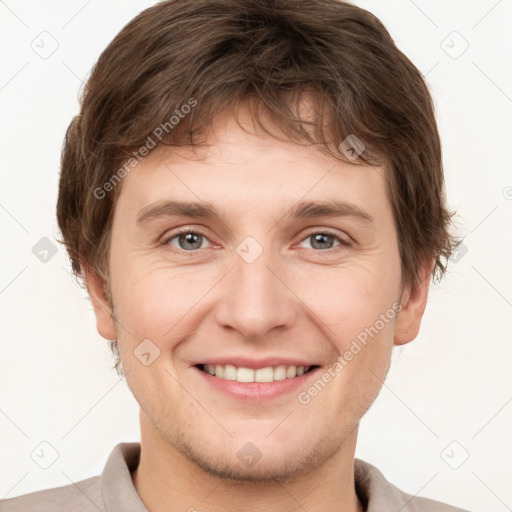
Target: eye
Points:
x,y
324,240
186,240
189,240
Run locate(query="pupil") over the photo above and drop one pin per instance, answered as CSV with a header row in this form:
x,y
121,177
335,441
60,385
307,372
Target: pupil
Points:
x,y
190,238
320,238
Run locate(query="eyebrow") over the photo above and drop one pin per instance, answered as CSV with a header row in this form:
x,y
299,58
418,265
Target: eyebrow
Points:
x,y
205,210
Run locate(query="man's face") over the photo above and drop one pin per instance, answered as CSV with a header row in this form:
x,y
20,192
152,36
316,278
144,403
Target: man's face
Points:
x,y
255,282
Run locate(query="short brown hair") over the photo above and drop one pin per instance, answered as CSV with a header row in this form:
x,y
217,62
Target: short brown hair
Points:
x,y
220,52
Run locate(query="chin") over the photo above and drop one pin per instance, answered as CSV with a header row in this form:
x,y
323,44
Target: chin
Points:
x,y
261,460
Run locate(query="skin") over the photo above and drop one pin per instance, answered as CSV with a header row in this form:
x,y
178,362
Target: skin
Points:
x,y
292,300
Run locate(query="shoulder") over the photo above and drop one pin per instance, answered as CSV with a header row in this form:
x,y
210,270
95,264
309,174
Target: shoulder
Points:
x,y
379,494
83,496
112,490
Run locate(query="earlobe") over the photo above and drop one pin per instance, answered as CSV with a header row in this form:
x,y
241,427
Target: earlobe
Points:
x,y
414,302
104,318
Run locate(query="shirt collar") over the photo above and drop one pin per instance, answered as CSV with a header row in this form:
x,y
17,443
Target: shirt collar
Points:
x,y
117,487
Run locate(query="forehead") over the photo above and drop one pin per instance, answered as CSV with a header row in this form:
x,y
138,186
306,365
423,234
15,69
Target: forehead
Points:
x,y
249,170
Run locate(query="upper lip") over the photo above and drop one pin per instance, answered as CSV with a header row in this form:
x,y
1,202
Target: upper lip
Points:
x,y
247,362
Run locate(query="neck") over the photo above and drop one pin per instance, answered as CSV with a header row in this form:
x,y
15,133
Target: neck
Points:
x,y
167,480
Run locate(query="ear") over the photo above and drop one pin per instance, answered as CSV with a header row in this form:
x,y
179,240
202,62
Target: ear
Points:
x,y
414,302
104,318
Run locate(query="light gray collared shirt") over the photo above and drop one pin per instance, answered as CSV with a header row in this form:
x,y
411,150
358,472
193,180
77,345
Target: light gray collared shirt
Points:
x,y
113,491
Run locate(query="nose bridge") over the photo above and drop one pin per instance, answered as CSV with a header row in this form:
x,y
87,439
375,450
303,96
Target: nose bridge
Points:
x,y
254,300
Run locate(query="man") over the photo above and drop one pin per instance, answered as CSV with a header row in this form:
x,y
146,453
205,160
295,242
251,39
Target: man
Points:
x,y
220,144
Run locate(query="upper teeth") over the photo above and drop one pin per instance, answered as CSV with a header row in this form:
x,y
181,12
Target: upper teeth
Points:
x,y
268,374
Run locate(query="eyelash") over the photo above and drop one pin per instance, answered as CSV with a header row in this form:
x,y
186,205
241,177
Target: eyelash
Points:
x,y
342,242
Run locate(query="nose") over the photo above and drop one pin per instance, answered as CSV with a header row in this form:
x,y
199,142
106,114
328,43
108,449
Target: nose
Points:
x,y
256,298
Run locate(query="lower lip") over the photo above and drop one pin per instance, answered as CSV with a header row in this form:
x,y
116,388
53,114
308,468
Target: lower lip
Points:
x,y
256,390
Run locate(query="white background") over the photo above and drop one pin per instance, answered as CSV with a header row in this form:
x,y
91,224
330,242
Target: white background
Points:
x,y
453,383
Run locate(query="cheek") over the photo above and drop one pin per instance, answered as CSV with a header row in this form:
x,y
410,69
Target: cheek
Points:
x,y
356,309
158,298
364,343
350,299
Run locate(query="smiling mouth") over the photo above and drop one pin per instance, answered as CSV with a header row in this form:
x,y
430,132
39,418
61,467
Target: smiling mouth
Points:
x,y
267,374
